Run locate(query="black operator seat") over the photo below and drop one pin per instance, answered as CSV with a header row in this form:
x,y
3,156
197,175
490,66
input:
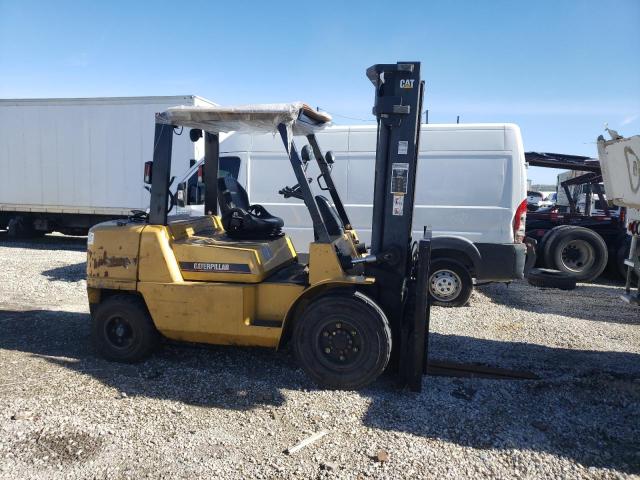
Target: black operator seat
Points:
x,y
242,220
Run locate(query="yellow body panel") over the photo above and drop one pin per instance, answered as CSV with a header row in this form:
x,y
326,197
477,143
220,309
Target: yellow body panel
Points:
x,y
217,304
112,255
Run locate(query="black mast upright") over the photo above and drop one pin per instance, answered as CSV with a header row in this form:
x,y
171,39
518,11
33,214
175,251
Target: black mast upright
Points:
x,y
398,103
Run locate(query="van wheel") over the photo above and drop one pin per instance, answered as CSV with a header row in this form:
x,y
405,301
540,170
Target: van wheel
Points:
x,y
342,341
450,283
578,251
123,330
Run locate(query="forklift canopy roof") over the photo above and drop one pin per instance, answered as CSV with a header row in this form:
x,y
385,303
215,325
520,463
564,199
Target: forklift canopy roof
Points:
x,y
255,118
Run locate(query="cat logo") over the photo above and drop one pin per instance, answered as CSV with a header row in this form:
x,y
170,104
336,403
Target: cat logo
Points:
x,y
406,83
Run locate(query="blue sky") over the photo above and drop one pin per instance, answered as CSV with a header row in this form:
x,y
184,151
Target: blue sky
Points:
x,y
560,69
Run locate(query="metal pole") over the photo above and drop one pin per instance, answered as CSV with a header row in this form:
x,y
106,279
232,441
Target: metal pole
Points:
x,y
211,162
163,142
318,225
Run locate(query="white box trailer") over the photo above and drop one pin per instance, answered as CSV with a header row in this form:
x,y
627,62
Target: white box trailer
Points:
x,y
620,163
69,163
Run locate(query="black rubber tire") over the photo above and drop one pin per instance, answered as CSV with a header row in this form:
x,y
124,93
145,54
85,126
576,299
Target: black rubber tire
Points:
x,y
330,313
547,278
546,243
466,287
133,313
557,242
19,228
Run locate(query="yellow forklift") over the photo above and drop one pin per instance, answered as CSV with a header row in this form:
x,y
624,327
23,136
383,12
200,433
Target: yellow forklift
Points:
x,y
234,278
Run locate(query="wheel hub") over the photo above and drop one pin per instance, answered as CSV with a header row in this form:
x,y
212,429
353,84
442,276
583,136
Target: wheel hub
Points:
x,y
340,343
119,332
445,284
577,255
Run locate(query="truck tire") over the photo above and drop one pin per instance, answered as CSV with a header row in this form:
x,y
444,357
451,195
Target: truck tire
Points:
x,y
342,340
450,283
547,278
545,244
123,330
577,251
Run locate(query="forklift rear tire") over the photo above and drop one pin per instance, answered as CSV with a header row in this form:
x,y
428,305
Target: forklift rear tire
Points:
x,y
123,330
342,340
450,283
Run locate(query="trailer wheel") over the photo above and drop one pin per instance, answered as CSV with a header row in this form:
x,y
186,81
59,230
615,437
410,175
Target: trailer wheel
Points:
x,y
19,227
123,330
547,278
342,341
450,283
577,251
545,257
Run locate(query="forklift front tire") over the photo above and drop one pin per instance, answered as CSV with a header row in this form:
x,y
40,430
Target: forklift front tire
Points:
x,y
342,341
123,330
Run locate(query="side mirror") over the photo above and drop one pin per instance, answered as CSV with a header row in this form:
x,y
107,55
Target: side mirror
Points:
x,y
306,154
195,134
148,172
330,157
181,195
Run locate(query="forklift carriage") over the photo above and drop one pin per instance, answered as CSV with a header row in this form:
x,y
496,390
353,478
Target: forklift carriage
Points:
x,y
234,277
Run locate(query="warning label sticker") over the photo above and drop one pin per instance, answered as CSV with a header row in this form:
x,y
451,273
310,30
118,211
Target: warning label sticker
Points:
x,y
399,178
403,147
398,205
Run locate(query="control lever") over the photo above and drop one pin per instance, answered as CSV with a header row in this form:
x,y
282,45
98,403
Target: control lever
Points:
x,y
390,257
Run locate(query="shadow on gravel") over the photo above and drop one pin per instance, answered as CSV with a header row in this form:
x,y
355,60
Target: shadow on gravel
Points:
x,y
585,407
67,273
47,242
587,302
209,376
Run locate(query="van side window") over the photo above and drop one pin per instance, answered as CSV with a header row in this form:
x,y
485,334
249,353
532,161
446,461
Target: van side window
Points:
x,y
229,166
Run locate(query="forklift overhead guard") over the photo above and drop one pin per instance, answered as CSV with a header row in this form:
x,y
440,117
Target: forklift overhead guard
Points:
x,y
257,118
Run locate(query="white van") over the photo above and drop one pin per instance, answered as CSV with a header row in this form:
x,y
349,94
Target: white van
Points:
x,y
470,190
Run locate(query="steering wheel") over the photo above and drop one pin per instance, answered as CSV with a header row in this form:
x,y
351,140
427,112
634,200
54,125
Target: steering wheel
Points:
x,y
295,191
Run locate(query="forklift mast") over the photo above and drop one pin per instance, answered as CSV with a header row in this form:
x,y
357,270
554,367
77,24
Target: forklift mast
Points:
x,y
398,105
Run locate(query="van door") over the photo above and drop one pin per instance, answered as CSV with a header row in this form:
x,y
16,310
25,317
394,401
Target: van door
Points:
x,y
465,194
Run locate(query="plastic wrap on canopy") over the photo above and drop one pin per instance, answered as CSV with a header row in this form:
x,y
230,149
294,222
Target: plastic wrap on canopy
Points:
x,y
257,118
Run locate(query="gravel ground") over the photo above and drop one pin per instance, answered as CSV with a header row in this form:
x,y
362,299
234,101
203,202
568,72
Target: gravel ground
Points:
x,y
192,412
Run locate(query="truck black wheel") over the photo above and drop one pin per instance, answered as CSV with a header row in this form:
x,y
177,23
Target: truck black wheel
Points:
x,y
450,283
577,251
544,252
342,341
123,330
547,278
20,227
